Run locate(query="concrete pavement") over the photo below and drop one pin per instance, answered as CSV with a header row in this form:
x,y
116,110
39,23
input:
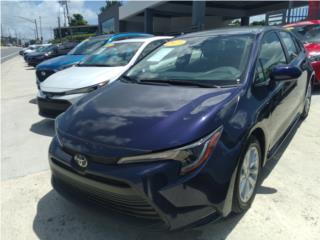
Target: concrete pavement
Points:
x,y
25,135
287,205
9,52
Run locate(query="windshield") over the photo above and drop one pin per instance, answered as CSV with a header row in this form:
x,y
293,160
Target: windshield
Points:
x,y
87,47
219,60
113,54
46,48
307,33
40,48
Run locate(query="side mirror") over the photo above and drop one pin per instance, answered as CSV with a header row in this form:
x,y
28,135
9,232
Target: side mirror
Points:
x,y
285,72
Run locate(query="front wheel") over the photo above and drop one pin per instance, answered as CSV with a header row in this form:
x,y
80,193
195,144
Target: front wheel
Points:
x,y
247,177
307,102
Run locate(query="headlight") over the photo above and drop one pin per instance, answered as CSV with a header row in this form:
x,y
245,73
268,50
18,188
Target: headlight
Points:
x,y
85,89
190,156
314,56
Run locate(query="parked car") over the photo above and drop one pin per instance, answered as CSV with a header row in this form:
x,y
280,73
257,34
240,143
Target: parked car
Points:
x,y
309,33
64,88
183,135
33,48
79,53
34,58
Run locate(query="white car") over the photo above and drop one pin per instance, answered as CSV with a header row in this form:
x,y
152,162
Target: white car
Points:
x,y
33,48
107,64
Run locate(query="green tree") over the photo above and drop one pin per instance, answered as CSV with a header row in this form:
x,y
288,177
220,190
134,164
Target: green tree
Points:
x,y
258,23
110,3
77,20
236,22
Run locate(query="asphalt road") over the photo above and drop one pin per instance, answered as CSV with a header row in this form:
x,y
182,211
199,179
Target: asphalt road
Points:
x,y
287,205
9,52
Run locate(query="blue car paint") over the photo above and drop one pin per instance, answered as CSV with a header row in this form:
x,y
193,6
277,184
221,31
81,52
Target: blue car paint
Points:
x,y
114,122
62,62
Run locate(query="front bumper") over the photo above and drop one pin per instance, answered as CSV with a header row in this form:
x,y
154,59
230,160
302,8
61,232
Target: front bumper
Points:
x,y
34,61
51,107
150,190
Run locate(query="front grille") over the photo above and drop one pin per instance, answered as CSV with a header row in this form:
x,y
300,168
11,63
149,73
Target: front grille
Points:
x,y
43,74
122,199
91,157
90,176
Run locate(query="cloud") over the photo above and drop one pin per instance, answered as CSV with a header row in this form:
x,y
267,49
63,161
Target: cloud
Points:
x,y
14,12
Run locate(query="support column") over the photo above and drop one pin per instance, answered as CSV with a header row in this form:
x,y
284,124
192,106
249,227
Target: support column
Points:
x,y
122,26
198,14
245,21
148,21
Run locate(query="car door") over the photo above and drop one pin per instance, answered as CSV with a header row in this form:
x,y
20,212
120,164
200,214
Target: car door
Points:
x,y
272,54
297,58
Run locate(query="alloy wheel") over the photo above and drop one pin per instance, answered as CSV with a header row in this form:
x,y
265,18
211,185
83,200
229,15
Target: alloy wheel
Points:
x,y
308,99
249,174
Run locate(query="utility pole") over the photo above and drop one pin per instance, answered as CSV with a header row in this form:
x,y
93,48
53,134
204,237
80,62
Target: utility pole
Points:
x,y
41,29
35,22
64,17
67,8
59,26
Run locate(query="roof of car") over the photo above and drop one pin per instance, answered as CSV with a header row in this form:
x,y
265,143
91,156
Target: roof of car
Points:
x,y
230,30
119,35
150,39
309,22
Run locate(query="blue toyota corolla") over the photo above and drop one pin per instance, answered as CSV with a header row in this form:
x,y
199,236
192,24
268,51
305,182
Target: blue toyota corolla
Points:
x,y
184,134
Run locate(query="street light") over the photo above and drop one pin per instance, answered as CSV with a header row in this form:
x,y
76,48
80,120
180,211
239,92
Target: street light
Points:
x,y
32,21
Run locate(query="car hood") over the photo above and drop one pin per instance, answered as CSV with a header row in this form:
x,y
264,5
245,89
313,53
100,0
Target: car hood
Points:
x,y
60,62
312,47
79,77
144,117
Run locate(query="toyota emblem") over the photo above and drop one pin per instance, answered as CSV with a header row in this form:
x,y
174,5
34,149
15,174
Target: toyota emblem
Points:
x,y
81,160
43,73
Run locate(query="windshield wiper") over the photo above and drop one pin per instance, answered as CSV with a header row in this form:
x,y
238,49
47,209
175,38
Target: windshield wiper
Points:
x,y
129,79
94,65
180,82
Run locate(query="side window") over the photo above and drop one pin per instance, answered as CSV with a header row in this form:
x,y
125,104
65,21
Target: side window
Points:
x,y
271,55
150,47
290,45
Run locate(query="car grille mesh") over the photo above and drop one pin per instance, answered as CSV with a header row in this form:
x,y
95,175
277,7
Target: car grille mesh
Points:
x,y
126,200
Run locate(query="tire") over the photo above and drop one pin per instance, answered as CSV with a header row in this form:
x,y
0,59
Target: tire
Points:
x,y
307,101
242,202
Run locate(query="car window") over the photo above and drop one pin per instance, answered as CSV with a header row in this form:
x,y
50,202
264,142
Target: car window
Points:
x,y
113,54
87,46
201,59
307,33
289,44
150,47
271,54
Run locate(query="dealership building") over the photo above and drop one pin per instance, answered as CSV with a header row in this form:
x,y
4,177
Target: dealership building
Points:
x,y
75,30
174,17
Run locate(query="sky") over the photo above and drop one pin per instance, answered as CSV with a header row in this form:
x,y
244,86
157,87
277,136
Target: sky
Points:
x,y
13,14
